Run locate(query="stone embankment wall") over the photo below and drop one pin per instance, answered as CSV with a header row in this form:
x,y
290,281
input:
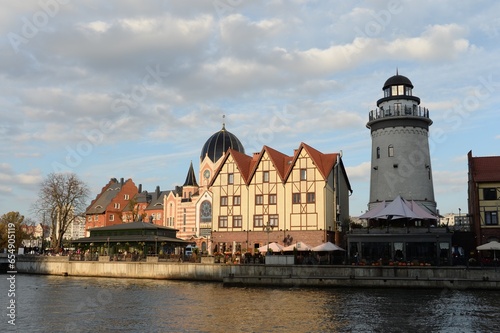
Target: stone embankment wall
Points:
x,y
272,275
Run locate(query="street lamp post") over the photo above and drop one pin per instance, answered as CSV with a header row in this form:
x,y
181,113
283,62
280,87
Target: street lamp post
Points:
x,y
268,228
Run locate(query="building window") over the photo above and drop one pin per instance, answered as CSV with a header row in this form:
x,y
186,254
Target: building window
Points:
x,y
390,151
273,220
303,174
311,197
222,221
223,201
272,199
111,217
387,92
117,205
258,221
394,90
96,218
259,199
491,218
230,178
126,197
158,216
237,221
90,218
206,211
236,200
401,90
407,91
489,193
397,108
265,177
296,198
378,152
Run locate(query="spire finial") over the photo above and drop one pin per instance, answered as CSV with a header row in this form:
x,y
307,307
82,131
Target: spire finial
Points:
x,y
223,122
397,71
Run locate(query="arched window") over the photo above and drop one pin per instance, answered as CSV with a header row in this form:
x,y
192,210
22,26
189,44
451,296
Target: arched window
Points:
x,y
390,151
378,152
206,211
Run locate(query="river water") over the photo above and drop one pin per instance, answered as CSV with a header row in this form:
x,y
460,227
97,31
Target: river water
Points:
x,y
77,304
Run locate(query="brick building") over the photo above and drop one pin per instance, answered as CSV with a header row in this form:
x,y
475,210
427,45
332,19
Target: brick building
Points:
x,y
484,197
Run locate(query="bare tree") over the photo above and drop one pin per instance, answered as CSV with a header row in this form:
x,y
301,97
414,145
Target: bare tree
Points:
x,y
62,199
132,214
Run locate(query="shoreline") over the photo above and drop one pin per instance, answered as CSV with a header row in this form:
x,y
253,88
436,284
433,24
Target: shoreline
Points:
x,y
243,275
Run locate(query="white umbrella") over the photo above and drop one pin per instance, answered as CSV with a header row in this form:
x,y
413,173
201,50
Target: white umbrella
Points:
x,y
275,247
300,246
327,247
493,245
397,209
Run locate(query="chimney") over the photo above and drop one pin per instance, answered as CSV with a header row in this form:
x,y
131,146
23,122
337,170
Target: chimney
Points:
x,y
157,192
139,188
121,181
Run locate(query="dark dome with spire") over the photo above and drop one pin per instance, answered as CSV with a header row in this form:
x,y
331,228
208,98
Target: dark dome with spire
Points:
x,y
219,143
397,80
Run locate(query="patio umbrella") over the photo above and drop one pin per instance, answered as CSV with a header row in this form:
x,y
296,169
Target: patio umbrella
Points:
x,y
300,246
275,247
374,211
397,209
327,247
493,246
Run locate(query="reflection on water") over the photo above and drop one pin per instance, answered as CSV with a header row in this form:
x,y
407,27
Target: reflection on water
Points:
x,y
72,304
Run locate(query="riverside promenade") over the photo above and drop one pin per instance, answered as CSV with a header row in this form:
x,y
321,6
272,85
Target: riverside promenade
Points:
x,y
278,275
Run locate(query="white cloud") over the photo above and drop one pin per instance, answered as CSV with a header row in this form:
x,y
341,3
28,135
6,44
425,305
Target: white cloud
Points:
x,y
359,172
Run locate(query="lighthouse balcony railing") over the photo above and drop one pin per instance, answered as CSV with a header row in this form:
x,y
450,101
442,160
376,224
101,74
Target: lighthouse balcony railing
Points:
x,y
399,111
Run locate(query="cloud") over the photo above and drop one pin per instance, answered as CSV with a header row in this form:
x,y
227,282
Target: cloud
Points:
x,y
11,179
359,172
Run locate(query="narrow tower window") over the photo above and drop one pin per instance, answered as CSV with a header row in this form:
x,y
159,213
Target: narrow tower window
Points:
x,y
378,152
390,151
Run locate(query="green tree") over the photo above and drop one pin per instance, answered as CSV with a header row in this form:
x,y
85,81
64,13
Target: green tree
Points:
x,y
11,224
62,199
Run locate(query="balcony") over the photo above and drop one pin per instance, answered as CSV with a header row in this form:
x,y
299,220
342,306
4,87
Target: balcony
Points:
x,y
402,111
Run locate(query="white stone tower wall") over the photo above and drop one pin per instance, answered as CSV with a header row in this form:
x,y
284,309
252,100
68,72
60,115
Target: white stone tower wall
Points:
x,y
408,173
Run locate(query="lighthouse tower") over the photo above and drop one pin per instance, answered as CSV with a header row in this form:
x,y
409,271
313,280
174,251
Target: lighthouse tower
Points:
x,y
401,162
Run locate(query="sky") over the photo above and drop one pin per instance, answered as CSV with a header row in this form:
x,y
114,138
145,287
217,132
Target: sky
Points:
x,y
133,89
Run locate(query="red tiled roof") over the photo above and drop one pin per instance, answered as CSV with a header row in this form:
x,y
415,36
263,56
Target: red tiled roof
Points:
x,y
244,162
279,160
486,169
283,163
324,162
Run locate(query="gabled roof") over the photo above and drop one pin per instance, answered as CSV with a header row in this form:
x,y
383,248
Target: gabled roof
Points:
x,y
324,162
280,161
157,202
248,165
485,169
103,199
245,163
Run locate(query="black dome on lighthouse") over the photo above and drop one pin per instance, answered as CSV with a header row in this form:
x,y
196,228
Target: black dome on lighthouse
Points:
x,y
219,143
397,80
